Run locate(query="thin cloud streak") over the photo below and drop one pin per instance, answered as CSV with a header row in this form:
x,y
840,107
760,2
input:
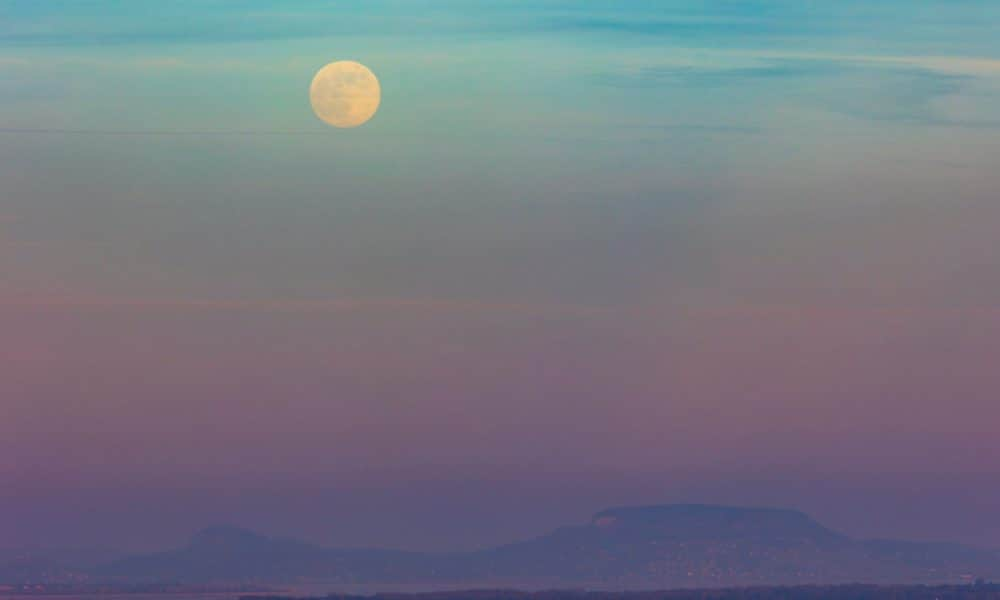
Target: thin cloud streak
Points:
x,y
959,65
153,132
307,306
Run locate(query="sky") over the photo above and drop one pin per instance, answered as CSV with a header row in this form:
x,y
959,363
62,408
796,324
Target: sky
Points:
x,y
586,254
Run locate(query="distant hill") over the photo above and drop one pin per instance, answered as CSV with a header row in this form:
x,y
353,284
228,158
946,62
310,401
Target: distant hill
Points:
x,y
654,547
697,545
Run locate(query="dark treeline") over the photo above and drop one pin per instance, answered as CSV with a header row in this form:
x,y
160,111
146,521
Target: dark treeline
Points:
x,y
838,592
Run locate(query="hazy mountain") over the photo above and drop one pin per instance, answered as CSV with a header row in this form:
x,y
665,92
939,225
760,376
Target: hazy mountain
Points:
x,y
644,547
695,545
689,543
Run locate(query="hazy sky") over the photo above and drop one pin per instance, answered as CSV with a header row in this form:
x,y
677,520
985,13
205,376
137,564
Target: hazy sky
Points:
x,y
587,253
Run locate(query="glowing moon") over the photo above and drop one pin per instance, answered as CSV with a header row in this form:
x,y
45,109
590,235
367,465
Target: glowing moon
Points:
x,y
345,94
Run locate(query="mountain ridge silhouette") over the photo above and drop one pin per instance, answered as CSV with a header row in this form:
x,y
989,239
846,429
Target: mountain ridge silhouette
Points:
x,y
677,545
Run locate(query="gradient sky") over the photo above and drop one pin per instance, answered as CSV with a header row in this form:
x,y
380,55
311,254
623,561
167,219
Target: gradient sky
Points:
x,y
586,254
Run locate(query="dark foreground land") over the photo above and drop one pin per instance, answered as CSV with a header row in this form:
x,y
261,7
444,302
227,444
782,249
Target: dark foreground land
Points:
x,y
838,592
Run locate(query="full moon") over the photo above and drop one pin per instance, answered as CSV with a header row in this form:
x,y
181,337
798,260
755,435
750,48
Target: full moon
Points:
x,y
345,94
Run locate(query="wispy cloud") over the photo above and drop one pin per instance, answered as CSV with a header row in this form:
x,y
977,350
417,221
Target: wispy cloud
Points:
x,y
959,65
157,132
711,75
882,88
432,305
